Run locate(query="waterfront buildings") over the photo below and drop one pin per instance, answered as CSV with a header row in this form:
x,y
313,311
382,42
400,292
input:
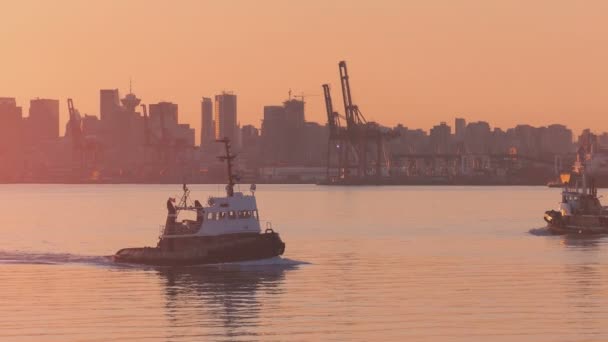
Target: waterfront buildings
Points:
x,y
122,145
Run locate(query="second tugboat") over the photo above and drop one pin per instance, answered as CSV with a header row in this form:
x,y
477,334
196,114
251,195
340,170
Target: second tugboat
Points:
x,y
227,230
580,210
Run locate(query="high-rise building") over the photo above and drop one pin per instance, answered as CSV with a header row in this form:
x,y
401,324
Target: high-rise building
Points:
x,y
284,134
556,139
109,104
207,125
439,138
163,116
294,112
43,121
274,135
527,139
225,116
165,128
460,126
477,137
10,138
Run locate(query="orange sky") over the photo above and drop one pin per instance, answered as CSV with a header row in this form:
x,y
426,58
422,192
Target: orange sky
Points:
x,y
414,62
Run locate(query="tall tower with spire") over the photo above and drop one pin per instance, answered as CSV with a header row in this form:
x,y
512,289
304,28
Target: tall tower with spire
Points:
x,y
130,101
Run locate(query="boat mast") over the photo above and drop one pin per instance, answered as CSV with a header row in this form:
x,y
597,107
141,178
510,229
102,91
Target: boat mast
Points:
x,y
228,159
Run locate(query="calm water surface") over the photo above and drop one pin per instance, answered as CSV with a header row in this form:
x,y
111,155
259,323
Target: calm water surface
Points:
x,y
361,263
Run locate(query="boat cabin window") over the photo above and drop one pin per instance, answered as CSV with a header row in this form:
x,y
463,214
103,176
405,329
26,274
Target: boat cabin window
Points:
x,y
240,214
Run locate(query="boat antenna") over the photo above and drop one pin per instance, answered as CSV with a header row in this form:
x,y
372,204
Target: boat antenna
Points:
x,y
232,178
183,202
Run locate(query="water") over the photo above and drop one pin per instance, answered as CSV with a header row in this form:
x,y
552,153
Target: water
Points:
x,y
361,264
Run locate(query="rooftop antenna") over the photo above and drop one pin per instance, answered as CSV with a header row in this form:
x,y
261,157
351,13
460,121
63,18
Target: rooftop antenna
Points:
x,y
130,86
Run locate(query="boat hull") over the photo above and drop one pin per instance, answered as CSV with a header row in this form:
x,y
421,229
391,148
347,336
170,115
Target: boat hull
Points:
x,y
190,251
576,224
562,230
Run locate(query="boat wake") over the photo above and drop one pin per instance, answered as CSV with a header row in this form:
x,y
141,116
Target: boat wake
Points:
x,y
543,231
20,257
33,258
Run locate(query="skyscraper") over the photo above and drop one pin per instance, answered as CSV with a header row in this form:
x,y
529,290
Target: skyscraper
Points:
x,y
10,138
43,121
109,104
439,138
225,116
165,127
284,134
460,126
163,116
207,125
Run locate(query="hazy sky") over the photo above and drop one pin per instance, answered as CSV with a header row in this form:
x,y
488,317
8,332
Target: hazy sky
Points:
x,y
411,62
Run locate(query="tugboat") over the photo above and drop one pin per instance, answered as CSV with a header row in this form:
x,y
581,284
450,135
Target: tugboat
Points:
x,y
227,230
580,211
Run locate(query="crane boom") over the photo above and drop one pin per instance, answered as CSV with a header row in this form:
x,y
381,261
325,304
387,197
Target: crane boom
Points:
x,y
75,125
349,109
332,117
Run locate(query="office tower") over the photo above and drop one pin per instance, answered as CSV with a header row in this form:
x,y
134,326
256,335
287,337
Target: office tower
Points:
x,y
460,125
283,133
43,120
11,142
556,139
164,126
207,125
477,137
163,116
225,116
439,138
11,123
294,112
109,104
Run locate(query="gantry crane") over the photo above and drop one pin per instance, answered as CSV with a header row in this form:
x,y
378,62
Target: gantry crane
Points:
x,y
337,146
355,143
75,126
85,148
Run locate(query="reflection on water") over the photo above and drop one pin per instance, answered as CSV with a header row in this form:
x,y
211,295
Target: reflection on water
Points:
x,y
232,295
584,242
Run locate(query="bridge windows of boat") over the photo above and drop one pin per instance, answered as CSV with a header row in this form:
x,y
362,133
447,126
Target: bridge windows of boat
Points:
x,y
232,215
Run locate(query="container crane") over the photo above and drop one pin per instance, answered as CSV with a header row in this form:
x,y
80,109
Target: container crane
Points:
x,y
337,143
365,140
75,126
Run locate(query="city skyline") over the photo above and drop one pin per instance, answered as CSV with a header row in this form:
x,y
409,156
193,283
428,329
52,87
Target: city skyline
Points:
x,y
412,63
133,141
198,127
